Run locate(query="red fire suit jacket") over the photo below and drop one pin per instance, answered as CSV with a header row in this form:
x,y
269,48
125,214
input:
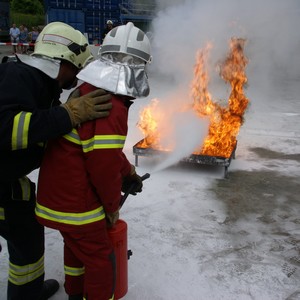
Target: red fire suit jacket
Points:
x,y
81,174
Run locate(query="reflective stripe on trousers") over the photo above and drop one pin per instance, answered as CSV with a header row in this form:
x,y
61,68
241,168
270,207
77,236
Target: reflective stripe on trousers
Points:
x,y
71,271
20,275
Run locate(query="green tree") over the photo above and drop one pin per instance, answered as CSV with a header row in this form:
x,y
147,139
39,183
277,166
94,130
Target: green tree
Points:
x,y
33,7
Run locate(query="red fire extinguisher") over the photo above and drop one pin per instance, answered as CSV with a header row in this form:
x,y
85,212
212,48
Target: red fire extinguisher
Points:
x,y
118,236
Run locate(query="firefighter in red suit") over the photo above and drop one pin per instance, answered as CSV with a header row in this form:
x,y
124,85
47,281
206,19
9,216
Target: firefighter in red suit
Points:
x,y
30,115
83,173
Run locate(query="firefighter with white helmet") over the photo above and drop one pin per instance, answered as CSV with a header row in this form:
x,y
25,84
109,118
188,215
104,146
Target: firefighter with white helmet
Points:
x,y
121,66
93,155
30,115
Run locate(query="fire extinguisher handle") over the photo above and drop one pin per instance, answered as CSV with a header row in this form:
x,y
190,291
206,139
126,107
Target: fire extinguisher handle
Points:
x,y
124,197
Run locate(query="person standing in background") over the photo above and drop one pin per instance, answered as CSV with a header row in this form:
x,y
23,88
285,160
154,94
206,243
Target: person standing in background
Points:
x,y
33,35
14,33
108,28
23,38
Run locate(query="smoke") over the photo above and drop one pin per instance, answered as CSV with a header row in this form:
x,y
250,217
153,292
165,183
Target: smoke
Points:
x,y
182,27
178,129
270,27
187,134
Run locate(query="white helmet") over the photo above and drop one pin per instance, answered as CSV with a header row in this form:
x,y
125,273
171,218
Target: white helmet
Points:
x,y
61,41
109,22
127,39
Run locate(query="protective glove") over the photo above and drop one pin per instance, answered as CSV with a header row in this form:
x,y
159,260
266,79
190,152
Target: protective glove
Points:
x,y
88,107
133,182
112,218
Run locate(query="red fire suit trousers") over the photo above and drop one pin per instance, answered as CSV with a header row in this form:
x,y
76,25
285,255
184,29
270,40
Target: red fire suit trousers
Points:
x,y
90,267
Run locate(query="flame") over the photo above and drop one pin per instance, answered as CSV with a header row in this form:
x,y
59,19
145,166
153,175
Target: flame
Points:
x,y
156,127
225,122
149,120
203,104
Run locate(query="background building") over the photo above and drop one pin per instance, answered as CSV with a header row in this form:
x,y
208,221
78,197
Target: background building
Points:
x,y
90,16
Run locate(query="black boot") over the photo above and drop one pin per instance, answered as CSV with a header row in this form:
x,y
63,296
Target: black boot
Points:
x,y
76,297
50,287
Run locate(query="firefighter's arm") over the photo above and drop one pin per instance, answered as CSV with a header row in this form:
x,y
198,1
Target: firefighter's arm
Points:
x,y
22,128
106,161
103,166
25,116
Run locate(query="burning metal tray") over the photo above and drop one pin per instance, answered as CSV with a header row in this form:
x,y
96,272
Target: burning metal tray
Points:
x,y
193,158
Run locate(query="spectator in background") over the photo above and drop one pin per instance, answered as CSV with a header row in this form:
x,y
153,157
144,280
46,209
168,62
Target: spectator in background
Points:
x,y
33,34
109,27
23,38
14,33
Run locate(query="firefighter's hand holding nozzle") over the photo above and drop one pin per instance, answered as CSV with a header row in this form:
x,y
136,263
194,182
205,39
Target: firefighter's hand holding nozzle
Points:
x,y
88,107
132,182
112,218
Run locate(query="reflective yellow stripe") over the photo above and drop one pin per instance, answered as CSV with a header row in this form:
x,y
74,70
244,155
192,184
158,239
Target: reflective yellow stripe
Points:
x,y
110,141
70,218
104,142
2,217
20,130
26,188
20,275
73,137
73,271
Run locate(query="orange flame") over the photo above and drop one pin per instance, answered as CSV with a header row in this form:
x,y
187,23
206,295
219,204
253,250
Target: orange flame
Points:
x,y
149,119
225,122
156,127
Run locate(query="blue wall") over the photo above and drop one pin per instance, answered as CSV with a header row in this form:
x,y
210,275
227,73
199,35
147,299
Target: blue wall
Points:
x,y
88,16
